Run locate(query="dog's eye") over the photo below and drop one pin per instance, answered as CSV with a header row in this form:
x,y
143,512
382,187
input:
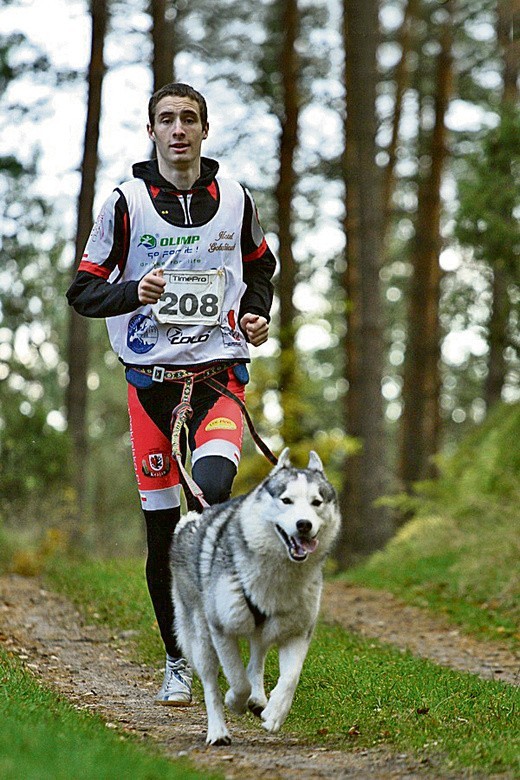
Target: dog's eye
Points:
x,y
317,502
287,500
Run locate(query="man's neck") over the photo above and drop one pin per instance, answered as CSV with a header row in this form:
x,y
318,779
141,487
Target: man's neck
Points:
x,y
181,178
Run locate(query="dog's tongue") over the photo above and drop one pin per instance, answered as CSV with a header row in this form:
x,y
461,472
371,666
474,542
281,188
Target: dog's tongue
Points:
x,y
303,546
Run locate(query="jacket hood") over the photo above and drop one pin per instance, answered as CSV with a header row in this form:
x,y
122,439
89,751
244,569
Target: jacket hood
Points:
x,y
149,171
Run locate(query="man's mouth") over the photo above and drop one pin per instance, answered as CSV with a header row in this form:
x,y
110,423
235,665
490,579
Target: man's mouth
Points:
x,y
179,147
298,547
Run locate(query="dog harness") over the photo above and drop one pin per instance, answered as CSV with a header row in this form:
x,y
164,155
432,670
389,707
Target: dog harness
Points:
x,y
184,411
258,616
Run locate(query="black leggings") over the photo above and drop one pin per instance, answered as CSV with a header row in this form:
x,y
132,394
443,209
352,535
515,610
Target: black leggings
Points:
x,y
215,476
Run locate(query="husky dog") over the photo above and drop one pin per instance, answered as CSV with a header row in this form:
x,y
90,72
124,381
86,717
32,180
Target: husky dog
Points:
x,y
252,567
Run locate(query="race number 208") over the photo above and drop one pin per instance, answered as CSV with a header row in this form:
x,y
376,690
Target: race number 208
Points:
x,y
188,305
191,297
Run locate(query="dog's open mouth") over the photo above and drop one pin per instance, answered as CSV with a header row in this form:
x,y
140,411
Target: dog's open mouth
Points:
x,y
298,547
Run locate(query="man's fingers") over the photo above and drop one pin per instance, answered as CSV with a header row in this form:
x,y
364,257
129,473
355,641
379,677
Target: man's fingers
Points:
x,y
151,287
256,328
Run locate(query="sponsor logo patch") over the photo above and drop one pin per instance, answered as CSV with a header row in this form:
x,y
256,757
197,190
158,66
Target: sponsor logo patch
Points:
x,y
222,243
156,464
151,242
98,229
142,334
222,424
147,240
230,333
176,336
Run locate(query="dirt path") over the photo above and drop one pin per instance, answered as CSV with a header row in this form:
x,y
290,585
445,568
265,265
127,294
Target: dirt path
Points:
x,y
91,668
382,616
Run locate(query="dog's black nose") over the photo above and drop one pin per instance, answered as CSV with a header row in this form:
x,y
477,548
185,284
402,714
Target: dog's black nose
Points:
x,y
304,526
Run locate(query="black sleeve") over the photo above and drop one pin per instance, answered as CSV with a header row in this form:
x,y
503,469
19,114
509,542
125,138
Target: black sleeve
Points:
x,y
258,266
92,296
258,297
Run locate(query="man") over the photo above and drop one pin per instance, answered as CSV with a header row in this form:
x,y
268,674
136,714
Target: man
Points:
x,y
178,264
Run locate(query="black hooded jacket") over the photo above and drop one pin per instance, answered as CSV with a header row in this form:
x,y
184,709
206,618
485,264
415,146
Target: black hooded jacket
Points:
x,y
93,296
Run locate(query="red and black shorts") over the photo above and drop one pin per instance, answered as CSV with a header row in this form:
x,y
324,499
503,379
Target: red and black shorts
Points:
x,y
216,428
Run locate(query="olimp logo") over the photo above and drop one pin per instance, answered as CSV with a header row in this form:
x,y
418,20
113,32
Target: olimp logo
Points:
x,y
151,242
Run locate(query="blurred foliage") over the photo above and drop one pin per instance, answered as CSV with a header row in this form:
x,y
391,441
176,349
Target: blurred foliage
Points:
x,y
489,195
33,456
486,464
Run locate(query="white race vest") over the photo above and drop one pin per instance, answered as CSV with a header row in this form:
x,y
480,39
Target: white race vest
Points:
x,y
196,319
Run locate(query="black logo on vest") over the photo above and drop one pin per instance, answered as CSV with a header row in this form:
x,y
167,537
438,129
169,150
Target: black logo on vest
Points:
x,y
175,336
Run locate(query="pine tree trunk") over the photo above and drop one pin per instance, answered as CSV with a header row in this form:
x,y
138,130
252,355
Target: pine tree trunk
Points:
x,y
163,40
402,76
508,21
497,337
366,527
78,346
284,193
420,424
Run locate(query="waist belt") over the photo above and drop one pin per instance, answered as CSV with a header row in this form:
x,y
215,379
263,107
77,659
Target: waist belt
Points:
x,y
161,374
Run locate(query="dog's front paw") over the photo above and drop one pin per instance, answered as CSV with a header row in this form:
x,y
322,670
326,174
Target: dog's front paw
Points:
x,y
236,701
273,718
217,738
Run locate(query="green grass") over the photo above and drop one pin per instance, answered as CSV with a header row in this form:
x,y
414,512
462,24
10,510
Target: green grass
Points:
x,y
112,593
353,693
465,567
363,693
460,554
44,738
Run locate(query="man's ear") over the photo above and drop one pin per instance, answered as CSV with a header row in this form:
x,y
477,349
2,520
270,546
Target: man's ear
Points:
x,y
150,132
205,131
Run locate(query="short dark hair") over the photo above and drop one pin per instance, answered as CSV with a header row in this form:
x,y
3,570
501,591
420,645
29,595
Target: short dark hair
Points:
x,y
175,89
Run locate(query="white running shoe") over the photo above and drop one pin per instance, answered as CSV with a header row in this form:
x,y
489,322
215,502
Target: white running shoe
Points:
x,y
176,688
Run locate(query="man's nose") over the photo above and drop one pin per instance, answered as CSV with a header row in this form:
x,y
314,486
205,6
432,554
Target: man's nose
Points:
x,y
177,127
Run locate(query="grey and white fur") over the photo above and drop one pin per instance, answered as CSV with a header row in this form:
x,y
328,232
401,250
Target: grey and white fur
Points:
x,y
252,567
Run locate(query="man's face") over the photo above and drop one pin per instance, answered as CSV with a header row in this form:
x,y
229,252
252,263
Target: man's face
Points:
x,y
178,131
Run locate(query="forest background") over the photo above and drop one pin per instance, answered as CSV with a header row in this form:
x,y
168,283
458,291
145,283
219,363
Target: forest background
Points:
x,y
381,141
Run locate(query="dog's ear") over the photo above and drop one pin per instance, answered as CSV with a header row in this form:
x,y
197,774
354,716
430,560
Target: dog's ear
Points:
x,y
283,460
315,463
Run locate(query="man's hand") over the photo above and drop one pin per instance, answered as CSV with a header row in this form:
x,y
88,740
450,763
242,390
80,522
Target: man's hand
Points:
x,y
256,328
151,286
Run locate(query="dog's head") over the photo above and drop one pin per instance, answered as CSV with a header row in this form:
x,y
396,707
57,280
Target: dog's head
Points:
x,y
302,507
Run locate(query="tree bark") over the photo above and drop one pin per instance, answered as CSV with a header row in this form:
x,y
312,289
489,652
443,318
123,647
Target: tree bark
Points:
x,y
420,425
78,342
402,77
508,21
163,40
497,336
366,527
284,194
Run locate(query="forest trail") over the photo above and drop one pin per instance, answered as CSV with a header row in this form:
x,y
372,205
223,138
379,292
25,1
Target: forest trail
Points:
x,y
92,669
381,615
